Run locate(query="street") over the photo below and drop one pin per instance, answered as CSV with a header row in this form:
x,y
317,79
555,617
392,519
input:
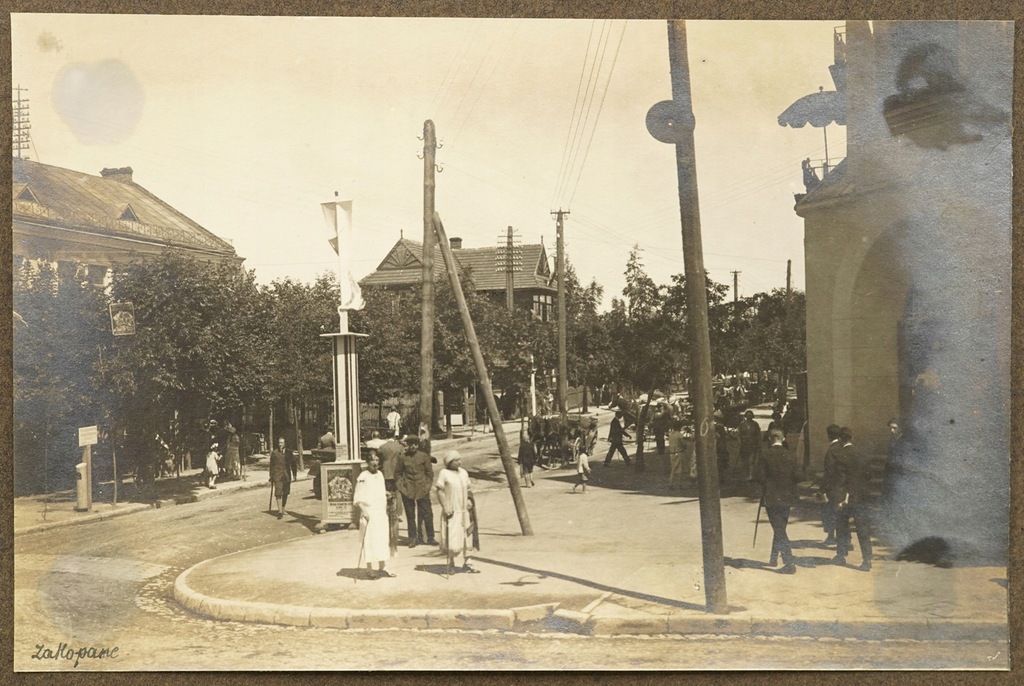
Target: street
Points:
x,y
108,585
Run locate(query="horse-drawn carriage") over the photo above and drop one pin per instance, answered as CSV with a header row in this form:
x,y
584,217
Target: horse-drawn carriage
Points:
x,y
559,443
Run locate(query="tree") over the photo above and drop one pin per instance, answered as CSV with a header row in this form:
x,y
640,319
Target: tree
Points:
x,y
57,386
200,351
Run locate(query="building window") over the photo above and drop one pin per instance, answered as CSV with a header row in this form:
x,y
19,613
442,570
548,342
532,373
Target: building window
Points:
x,y
542,307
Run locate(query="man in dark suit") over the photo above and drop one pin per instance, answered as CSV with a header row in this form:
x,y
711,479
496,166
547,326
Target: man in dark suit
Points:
x,y
828,480
779,473
280,476
850,492
414,475
616,434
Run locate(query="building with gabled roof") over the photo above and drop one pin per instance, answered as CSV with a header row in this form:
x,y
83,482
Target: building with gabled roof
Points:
x,y
64,216
533,283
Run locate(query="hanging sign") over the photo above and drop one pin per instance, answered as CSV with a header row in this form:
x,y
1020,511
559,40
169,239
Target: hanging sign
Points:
x,y
122,319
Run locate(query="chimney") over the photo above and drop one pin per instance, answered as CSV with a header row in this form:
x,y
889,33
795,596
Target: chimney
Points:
x,y
122,174
456,243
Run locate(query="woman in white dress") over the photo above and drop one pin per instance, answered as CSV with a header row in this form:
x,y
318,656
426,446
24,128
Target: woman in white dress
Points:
x,y
371,499
453,494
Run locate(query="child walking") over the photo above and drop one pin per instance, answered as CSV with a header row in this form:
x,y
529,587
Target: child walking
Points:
x,y
583,470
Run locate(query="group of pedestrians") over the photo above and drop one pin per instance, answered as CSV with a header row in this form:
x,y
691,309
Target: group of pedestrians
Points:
x,y
395,471
844,483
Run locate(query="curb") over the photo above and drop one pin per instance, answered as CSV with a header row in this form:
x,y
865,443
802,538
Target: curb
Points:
x,y
85,518
132,508
549,618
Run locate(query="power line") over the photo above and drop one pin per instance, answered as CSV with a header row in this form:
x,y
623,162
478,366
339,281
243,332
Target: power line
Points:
x,y
597,118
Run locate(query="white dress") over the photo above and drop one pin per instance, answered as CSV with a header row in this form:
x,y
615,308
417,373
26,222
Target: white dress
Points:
x,y
453,493
371,499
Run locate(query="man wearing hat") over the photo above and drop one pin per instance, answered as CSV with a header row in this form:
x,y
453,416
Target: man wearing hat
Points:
x,y
414,475
456,501
616,434
749,432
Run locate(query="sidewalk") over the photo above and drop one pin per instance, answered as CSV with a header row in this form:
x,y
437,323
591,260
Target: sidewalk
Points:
x,y
48,511
625,558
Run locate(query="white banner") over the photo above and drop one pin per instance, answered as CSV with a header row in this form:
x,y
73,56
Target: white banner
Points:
x,y
338,216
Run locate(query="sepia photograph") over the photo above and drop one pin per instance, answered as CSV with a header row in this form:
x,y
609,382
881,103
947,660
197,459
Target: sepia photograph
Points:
x,y
505,344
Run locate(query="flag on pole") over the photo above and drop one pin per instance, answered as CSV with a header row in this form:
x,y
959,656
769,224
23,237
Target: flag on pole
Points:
x,y
338,216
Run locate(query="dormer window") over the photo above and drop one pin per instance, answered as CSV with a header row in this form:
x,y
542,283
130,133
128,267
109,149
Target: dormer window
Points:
x,y
128,214
27,194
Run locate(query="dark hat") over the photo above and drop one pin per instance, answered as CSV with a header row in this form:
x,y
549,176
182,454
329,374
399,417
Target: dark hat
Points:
x,y
748,414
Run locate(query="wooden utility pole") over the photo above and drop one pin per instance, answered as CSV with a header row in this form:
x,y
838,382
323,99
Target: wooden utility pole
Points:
x,y
672,121
484,379
427,284
563,381
789,277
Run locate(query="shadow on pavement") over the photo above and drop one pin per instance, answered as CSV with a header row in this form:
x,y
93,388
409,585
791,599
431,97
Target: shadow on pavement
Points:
x,y
307,521
543,574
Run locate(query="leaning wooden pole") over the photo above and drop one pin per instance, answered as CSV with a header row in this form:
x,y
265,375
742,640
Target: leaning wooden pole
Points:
x,y
427,284
672,121
485,381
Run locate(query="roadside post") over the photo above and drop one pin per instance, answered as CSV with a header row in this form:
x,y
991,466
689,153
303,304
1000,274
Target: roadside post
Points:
x,y
88,436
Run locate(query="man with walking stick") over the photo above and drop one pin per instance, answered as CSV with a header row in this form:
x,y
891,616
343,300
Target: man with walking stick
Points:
x,y
779,473
370,497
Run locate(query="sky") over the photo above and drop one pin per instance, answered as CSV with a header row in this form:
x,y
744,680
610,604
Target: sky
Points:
x,y
247,124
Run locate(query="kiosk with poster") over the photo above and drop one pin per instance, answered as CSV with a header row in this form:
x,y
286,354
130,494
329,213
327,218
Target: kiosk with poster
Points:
x,y
337,485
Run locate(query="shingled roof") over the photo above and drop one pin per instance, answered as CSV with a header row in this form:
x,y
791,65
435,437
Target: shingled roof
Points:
x,y
403,264
110,204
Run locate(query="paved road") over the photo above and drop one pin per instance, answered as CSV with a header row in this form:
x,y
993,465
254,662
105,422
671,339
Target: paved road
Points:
x,y
108,584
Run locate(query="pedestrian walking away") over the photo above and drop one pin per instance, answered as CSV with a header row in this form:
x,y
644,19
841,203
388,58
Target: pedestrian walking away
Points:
x,y
414,474
850,491
616,435
453,494
828,484
527,458
780,475
280,476
394,422
582,472
370,497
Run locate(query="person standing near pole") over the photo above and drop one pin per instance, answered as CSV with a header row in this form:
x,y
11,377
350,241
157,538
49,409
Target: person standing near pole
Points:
x,y
780,475
676,452
527,458
371,499
280,476
749,432
453,493
414,475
